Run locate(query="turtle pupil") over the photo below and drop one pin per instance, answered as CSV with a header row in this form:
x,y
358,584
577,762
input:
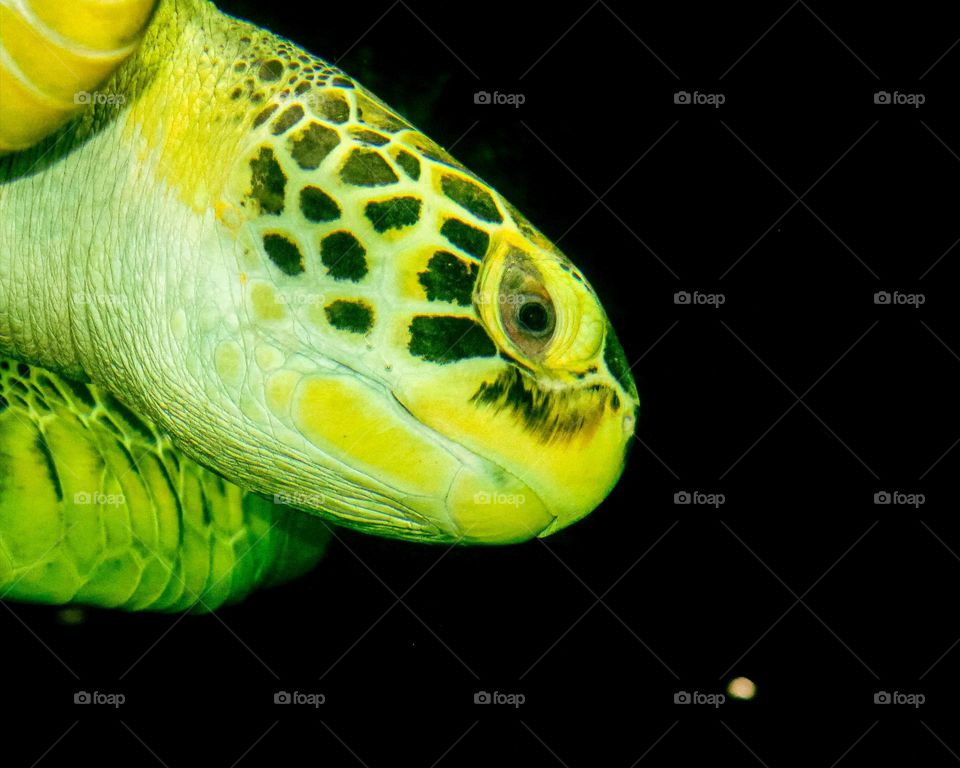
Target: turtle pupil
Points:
x,y
533,316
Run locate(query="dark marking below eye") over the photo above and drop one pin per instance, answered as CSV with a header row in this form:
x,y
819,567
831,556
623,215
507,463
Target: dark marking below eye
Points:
x,y
367,168
311,145
396,213
472,240
270,71
317,205
472,197
409,164
285,254
548,414
446,339
343,256
448,278
268,182
352,316
289,118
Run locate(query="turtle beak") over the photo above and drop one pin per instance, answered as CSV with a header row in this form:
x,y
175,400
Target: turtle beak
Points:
x,y
573,499
496,508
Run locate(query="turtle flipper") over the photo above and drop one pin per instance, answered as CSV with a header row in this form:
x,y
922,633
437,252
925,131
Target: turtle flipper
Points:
x,y
54,54
97,508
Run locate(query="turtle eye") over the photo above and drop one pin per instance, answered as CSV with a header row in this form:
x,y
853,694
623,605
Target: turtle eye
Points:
x,y
535,316
526,311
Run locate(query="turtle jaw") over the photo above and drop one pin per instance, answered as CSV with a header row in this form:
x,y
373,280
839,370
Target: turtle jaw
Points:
x,y
614,445
495,508
538,459
555,488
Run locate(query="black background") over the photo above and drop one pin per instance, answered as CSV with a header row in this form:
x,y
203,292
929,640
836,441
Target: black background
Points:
x,y
798,399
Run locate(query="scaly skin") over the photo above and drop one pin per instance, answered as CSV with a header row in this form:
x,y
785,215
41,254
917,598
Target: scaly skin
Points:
x,y
118,520
309,296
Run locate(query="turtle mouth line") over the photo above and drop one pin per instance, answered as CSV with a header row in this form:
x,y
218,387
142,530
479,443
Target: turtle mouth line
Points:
x,y
552,527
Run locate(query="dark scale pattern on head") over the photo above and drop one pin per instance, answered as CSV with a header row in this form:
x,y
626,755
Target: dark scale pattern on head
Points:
x,y
317,205
472,197
284,253
301,89
395,213
268,182
370,138
342,82
264,115
329,105
343,256
352,316
472,240
270,71
616,360
433,151
445,339
522,224
448,278
377,116
409,164
312,144
288,118
367,168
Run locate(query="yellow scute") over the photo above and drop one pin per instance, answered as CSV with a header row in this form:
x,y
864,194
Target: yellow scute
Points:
x,y
353,424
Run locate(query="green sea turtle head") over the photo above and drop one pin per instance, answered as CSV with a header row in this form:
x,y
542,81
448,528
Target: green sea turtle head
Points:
x,y
329,308
478,384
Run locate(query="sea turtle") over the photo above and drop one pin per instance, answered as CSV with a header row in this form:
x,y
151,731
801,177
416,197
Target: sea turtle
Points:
x,y
241,298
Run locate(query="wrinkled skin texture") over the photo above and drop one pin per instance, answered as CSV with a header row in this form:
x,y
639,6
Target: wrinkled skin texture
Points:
x,y
309,296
